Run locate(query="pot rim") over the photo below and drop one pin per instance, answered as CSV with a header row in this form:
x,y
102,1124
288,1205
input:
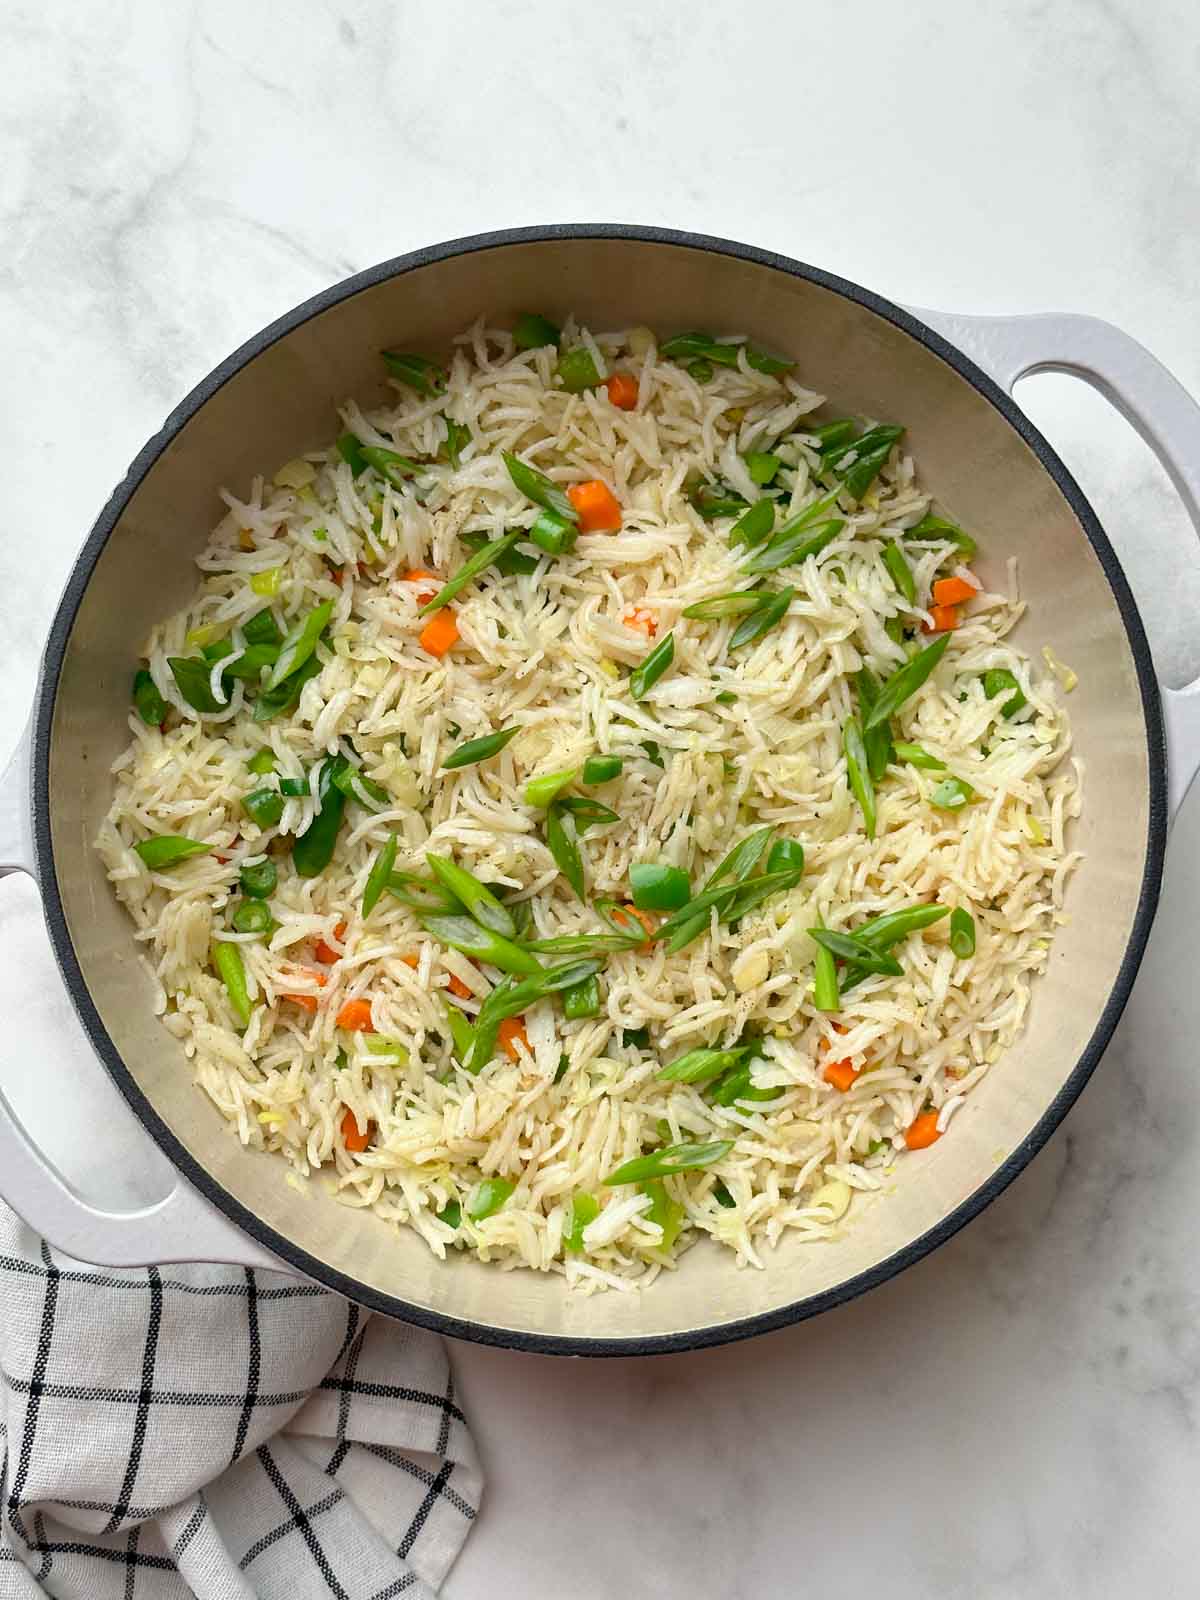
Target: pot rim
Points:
x,y
392,1305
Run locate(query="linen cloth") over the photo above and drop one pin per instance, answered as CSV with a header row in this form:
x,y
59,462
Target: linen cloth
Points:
x,y
218,1432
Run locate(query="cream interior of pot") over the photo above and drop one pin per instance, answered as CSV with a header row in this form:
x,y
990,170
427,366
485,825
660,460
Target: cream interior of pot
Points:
x,y
982,472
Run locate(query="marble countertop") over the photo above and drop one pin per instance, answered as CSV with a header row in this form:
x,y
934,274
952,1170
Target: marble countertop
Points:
x,y
1017,1415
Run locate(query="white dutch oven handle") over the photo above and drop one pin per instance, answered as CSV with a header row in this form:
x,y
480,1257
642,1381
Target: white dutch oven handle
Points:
x,y
1146,395
181,1227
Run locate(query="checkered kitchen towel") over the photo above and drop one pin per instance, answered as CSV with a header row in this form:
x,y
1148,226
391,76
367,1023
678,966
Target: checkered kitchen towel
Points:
x,y
211,1431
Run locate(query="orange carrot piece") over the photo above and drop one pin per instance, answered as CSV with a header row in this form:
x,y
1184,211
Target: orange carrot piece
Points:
x,y
623,391
354,1137
458,988
511,1030
411,961
646,920
440,633
922,1131
642,620
598,508
308,1001
429,581
952,592
356,1016
944,619
841,1074
325,952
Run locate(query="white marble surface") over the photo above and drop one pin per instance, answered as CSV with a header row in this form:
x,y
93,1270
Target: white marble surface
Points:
x,y
1017,1416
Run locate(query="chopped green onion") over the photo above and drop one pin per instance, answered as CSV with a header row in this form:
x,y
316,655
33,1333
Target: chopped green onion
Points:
x,y
259,880
734,604
788,548
540,791
754,526
701,370
657,886
381,871
253,916
192,678
725,698
148,703
583,1208
488,1198
482,559
388,464
737,1084
355,785
351,451
635,1038
601,769
587,813
299,643
264,806
900,572
722,1195
231,969
759,622
998,680
461,1031
267,583
474,750
475,898
313,849
582,999
450,1214
917,756
648,672
554,534
563,844
653,752
825,981
698,1065
536,486
847,948
293,788
904,683
931,527
509,998
951,794
786,855
858,772
962,933
470,939
712,501
510,563
882,932
418,372
274,702
531,331
577,370
167,849
672,1158
458,437
762,465
829,435
262,763
667,1213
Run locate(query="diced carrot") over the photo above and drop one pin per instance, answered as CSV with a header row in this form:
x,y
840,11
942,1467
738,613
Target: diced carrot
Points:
x,y
841,1074
440,633
458,988
356,1016
338,575
511,1030
623,390
598,508
944,619
354,1137
642,620
411,961
952,592
922,1130
325,952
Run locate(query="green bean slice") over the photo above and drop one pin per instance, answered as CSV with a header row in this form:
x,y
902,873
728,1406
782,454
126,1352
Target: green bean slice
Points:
x,y
536,486
381,871
858,772
418,372
900,572
601,769
962,933
231,969
475,750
